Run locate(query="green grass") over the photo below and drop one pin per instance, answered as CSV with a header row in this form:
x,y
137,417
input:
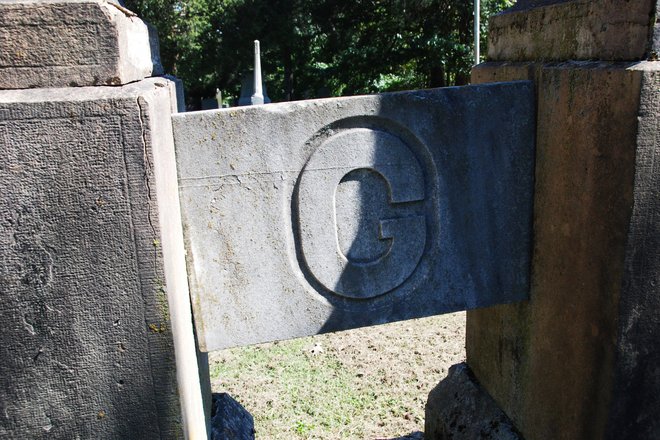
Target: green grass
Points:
x,y
368,383
331,402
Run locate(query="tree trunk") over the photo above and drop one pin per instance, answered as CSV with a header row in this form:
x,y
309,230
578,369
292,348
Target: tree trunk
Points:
x,y
288,74
437,77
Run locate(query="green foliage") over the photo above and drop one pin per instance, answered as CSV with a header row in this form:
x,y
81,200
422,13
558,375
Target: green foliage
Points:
x,y
316,48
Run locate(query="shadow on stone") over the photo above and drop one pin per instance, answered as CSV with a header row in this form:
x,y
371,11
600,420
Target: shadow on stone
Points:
x,y
415,435
459,408
229,420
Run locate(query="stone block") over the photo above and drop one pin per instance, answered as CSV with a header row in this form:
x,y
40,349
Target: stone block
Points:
x,y
230,420
86,347
579,359
546,30
59,43
458,408
325,215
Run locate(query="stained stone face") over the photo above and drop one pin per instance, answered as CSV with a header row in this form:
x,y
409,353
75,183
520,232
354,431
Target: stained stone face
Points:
x,y
324,215
81,281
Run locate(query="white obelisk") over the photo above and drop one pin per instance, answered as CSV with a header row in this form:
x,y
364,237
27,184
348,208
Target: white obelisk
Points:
x,y
258,95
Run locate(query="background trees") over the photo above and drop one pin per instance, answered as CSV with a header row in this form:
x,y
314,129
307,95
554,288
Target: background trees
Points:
x,y
315,48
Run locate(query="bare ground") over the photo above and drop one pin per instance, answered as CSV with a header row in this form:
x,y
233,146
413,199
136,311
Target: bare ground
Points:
x,y
369,383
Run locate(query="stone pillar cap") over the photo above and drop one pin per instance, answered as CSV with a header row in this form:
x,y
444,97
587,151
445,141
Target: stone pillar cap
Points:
x,y
68,43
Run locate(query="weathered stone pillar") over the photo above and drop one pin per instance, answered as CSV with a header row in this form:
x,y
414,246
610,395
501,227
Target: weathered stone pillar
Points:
x,y
90,250
581,359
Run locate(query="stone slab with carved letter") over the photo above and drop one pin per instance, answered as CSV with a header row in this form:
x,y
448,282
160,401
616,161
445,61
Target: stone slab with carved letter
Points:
x,y
324,215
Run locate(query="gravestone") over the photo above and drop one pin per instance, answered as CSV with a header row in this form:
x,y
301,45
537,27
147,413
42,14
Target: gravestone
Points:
x,y
325,215
247,90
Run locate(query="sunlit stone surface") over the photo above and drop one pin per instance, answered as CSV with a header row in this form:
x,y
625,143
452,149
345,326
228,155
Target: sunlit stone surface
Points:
x,y
317,216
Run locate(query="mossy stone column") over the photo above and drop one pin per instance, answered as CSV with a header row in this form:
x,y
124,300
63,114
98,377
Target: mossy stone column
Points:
x,y
580,359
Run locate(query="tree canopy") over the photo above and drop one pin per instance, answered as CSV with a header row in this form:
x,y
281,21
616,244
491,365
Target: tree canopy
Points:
x,y
316,48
